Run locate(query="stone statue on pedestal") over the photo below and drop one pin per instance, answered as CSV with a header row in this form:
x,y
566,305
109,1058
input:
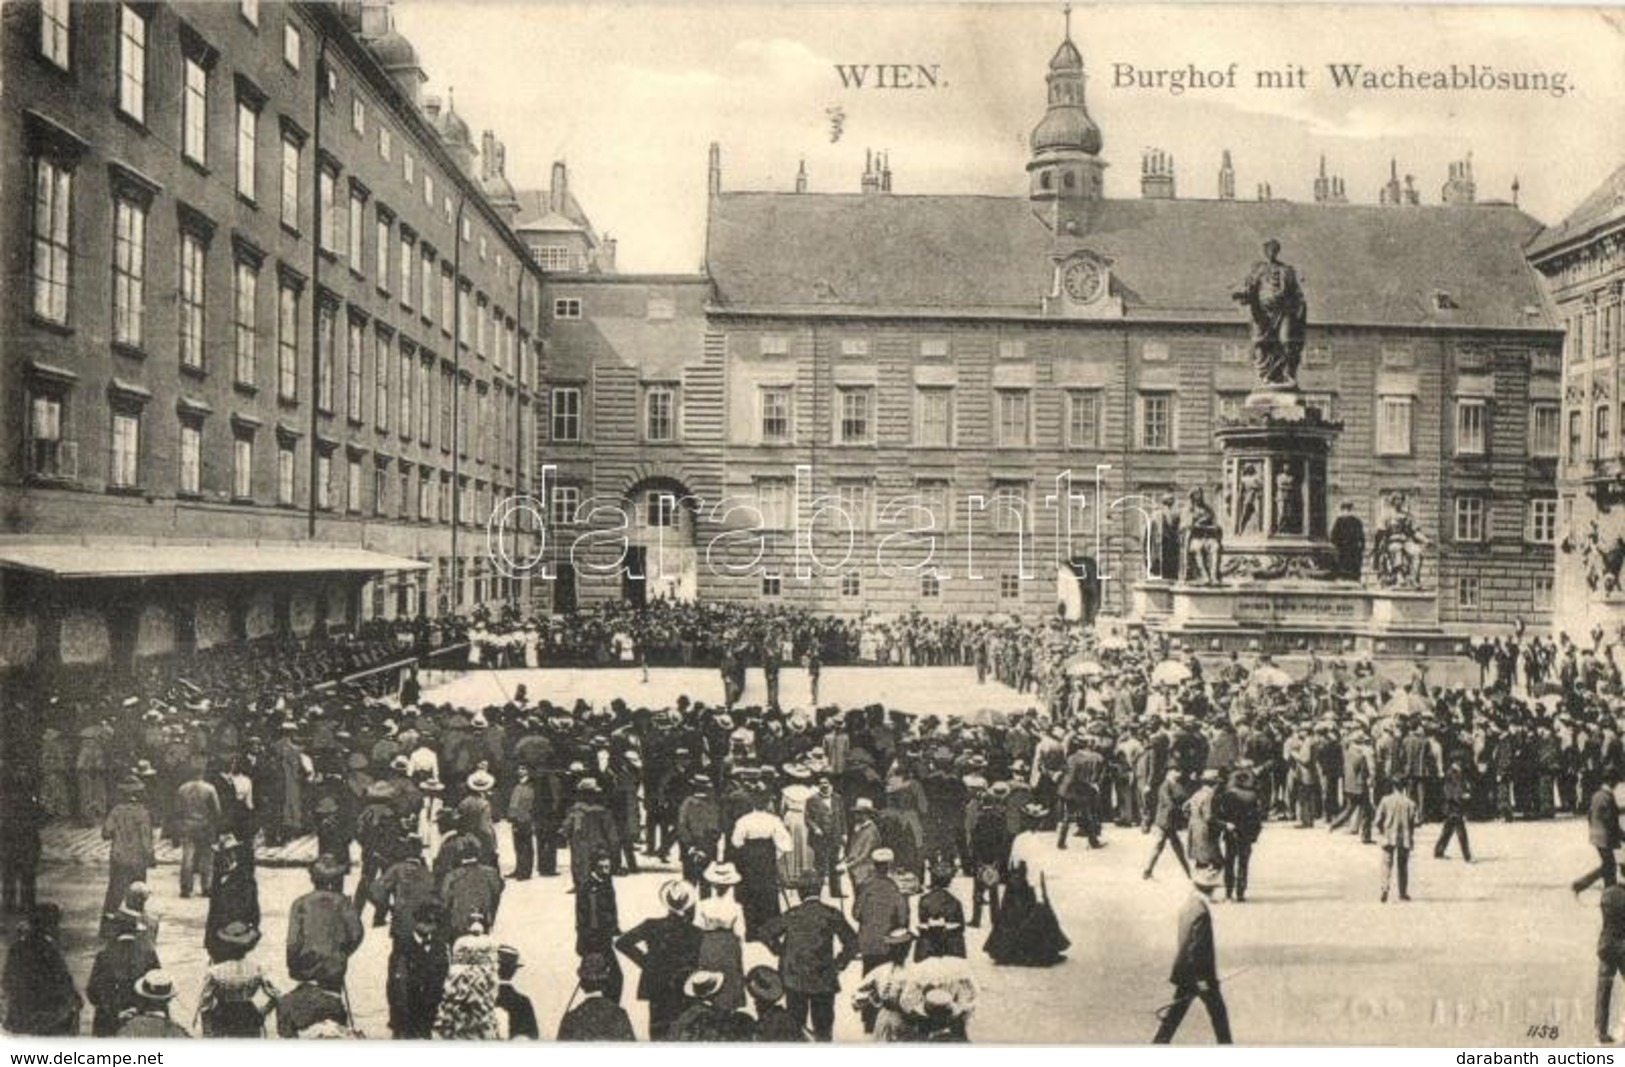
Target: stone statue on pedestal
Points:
x,y
1204,539
1396,551
1279,312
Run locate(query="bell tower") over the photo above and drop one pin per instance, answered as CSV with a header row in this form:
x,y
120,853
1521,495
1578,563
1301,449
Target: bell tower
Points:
x,y
1066,168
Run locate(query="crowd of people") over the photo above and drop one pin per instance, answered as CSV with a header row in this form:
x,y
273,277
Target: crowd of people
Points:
x,y
829,836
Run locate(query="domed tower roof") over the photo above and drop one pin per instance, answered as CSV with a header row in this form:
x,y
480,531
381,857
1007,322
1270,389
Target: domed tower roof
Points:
x,y
1066,126
394,52
453,130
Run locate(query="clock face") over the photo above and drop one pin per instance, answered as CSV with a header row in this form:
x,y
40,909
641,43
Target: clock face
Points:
x,y
1084,281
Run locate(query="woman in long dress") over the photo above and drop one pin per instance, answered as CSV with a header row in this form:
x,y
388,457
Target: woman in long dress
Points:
x,y
794,798
230,1004
468,1004
879,996
1025,931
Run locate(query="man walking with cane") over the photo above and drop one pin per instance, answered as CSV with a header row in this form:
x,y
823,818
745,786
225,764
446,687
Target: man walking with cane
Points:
x,y
1196,966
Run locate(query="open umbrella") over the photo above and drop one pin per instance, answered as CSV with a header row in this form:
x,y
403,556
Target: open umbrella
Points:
x,y
1170,672
1270,678
1085,668
1112,643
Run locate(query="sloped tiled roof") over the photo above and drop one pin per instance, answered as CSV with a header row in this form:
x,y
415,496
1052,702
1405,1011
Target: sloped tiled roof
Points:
x,y
1605,204
1171,259
536,213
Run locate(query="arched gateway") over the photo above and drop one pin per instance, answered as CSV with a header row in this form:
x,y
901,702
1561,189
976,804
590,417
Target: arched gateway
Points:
x,y
662,562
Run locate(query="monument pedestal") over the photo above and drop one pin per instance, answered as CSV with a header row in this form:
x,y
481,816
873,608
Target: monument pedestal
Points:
x,y
1279,589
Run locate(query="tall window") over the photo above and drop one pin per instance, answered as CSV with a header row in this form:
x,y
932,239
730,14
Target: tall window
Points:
x,y
426,281
242,467
53,31
1600,434
245,300
358,220
250,10
446,387
129,271
132,63
857,502
285,460
775,422
408,258
856,416
566,414
124,471
1470,427
248,123
47,452
381,251
358,114
1469,518
191,300
1543,520
1156,421
381,359
352,376
1544,434
776,504
1084,426
447,295
324,480
1013,415
660,422
327,184
562,509
1576,434
53,255
404,384
195,112
191,458
1009,507
326,353
290,45
934,417
1394,425
290,183
425,370
287,343
352,485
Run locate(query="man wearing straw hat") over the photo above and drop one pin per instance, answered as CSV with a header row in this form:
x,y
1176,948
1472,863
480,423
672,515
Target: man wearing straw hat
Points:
x,y
152,993
666,951
128,829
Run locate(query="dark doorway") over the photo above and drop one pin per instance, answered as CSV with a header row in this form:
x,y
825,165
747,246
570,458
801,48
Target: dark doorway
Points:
x,y
123,629
1088,576
635,577
564,589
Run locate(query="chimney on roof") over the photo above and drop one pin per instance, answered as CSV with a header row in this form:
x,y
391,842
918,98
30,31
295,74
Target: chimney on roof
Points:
x,y
885,172
870,183
1328,188
1392,194
606,255
714,176
1413,195
1227,178
801,177
1265,192
1459,188
1156,175
557,195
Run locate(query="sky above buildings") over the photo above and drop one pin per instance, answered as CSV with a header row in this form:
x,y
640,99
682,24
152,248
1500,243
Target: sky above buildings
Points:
x,y
630,95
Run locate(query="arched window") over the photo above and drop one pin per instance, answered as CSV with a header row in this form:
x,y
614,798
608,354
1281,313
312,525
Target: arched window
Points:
x,y
1070,180
1044,179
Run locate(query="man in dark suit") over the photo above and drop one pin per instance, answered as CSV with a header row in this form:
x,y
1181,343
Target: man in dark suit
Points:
x,y
1080,789
418,964
805,939
1348,540
1196,967
1610,955
774,1023
1605,834
515,1005
596,1018
666,951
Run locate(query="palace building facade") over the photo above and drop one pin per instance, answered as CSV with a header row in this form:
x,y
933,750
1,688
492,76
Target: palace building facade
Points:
x,y
270,336
1583,261
873,401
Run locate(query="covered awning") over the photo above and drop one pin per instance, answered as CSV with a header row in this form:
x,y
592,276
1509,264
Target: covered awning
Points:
x,y
169,559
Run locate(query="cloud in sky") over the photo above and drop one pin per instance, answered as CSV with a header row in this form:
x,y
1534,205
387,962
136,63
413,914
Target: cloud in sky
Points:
x,y
631,93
